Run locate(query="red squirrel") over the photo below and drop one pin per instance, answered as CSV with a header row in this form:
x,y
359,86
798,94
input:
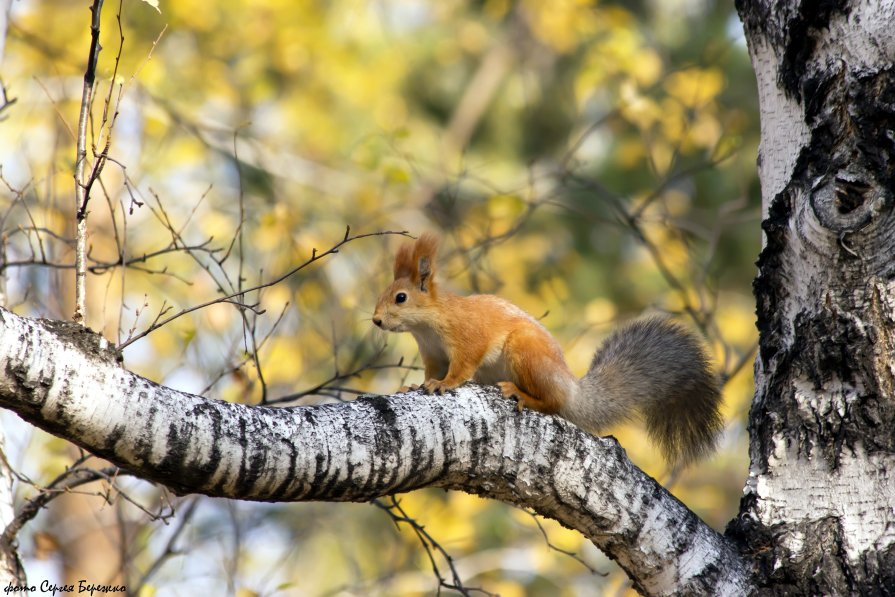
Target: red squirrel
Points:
x,y
653,365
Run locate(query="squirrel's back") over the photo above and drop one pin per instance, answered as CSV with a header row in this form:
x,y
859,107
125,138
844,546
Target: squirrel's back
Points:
x,y
659,368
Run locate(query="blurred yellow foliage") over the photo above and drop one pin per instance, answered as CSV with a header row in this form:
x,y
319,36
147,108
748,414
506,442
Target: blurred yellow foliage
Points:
x,y
560,23
284,360
637,108
600,311
694,87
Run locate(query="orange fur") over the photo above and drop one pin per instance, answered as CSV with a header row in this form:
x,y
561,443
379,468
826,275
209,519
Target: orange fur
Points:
x,y
404,262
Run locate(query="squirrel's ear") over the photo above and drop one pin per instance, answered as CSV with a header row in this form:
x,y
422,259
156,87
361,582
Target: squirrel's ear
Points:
x,y
404,264
425,273
424,251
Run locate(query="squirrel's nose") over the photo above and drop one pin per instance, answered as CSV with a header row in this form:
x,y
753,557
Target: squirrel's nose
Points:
x,y
377,321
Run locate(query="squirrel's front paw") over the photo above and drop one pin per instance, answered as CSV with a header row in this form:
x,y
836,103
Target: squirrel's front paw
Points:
x,y
410,388
437,386
509,390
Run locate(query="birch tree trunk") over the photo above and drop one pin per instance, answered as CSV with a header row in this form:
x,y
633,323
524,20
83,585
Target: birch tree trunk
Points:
x,y
818,511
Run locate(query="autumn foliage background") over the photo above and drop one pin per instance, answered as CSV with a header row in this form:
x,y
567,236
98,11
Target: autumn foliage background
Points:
x,y
588,161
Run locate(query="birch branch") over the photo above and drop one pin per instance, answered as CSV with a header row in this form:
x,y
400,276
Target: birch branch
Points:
x,y
81,184
68,381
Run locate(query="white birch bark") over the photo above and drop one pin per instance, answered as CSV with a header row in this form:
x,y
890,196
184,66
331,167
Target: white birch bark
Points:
x,y
67,380
819,505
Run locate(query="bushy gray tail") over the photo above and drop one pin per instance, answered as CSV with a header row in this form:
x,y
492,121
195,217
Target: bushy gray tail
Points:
x,y
662,370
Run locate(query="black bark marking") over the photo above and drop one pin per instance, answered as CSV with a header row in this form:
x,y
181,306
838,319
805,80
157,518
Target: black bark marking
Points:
x,y
684,535
83,340
113,438
872,110
257,461
705,580
382,408
63,398
171,469
143,443
332,485
478,435
320,469
449,454
801,40
388,442
204,471
318,481
770,294
282,491
23,388
881,565
243,442
418,453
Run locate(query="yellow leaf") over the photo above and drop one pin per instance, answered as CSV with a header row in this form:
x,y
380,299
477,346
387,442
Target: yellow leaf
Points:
x,y
396,174
695,87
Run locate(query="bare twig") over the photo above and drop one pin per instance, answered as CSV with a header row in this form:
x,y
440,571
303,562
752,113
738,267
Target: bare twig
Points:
x,y
565,552
81,184
171,548
234,369
315,256
249,338
337,377
5,101
392,507
71,478
633,223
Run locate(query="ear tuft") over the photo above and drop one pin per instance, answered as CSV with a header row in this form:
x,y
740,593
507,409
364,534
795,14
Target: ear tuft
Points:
x,y
404,263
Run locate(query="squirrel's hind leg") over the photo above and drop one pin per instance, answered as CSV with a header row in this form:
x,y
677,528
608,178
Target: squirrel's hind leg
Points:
x,y
511,391
540,378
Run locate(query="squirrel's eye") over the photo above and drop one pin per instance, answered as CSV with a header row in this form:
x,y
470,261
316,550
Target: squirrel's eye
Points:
x,y
400,297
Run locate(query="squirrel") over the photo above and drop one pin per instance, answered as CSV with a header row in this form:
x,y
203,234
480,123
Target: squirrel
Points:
x,y
653,365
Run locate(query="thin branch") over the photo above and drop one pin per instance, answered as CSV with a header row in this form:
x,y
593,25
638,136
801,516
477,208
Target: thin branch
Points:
x,y
171,548
5,101
70,479
633,223
81,187
249,339
393,508
565,552
246,358
337,377
221,279
315,256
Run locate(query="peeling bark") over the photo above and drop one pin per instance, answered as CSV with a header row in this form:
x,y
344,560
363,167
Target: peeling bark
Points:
x,y
65,379
819,506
